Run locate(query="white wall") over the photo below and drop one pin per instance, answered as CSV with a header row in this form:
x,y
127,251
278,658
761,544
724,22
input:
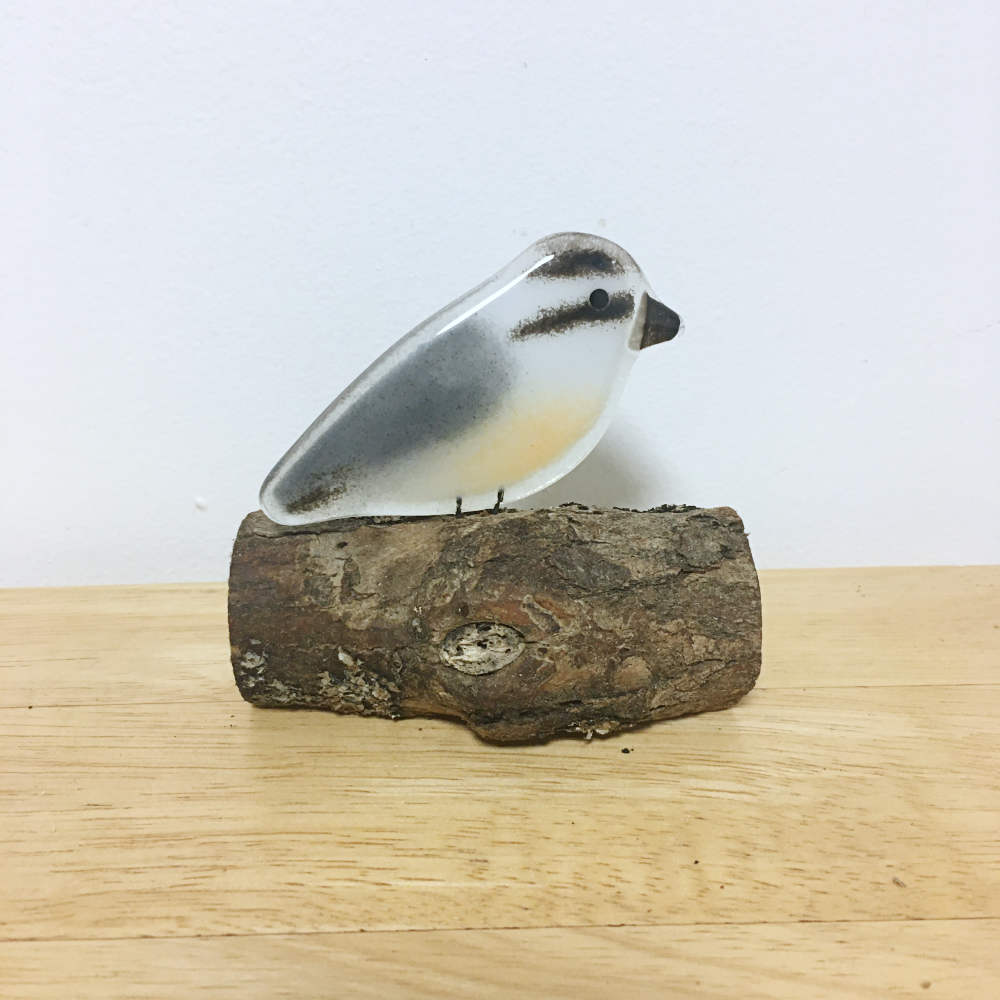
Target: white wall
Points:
x,y
215,215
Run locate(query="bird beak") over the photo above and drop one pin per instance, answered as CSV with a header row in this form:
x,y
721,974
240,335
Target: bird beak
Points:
x,y
659,322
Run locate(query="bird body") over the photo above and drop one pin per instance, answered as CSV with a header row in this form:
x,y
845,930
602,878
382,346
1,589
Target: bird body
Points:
x,y
506,389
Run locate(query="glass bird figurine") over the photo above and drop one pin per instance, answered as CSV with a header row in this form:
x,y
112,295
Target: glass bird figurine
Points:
x,y
496,396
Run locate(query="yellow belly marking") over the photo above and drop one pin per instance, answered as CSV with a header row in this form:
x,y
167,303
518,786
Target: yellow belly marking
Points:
x,y
523,438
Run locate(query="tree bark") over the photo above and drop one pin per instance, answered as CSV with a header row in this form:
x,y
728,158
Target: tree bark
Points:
x,y
523,624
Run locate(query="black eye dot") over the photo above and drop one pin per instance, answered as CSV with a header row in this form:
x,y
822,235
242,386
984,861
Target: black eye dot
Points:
x,y
599,298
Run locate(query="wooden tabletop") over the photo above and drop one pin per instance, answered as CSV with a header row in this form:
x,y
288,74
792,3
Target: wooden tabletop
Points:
x,y
834,835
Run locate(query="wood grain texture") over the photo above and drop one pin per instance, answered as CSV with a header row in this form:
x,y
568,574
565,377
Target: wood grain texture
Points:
x,y
940,959
834,834
882,626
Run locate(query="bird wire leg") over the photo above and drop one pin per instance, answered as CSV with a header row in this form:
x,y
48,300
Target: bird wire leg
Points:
x,y
458,506
496,506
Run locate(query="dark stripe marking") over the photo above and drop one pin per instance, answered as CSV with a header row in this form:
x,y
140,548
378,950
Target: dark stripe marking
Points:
x,y
552,321
579,264
324,489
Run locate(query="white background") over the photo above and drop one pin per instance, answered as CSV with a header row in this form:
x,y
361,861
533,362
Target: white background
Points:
x,y
214,215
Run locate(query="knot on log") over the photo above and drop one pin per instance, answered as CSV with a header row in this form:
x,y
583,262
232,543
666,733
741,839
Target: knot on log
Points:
x,y
481,647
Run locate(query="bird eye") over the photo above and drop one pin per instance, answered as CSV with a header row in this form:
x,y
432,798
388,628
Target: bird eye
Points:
x,y
599,299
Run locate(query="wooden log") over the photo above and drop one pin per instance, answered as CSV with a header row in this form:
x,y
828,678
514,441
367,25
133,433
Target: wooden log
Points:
x,y
523,624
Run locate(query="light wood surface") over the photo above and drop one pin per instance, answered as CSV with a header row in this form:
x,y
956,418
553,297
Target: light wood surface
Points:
x,y
835,834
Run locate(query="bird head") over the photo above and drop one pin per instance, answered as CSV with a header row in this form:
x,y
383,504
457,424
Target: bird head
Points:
x,y
593,283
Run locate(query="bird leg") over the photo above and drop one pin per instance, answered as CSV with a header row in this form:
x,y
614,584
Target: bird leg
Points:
x,y
496,506
458,506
